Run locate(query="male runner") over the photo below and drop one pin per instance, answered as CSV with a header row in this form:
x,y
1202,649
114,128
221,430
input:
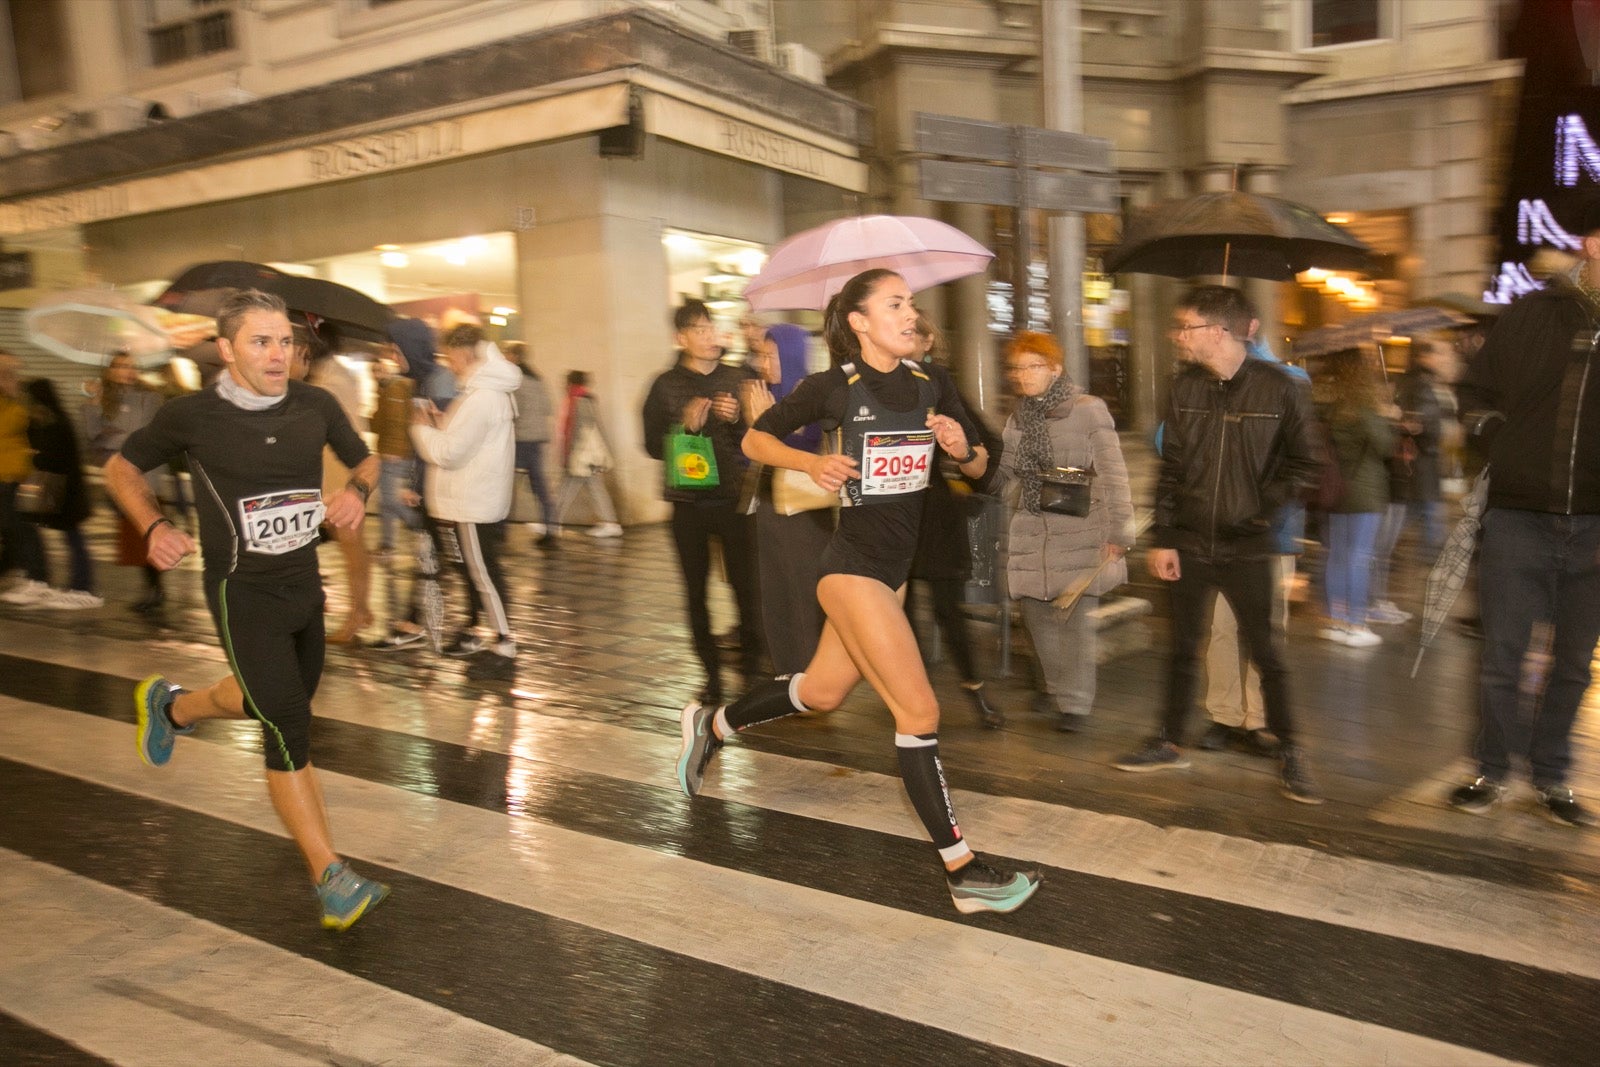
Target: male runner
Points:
x,y
253,442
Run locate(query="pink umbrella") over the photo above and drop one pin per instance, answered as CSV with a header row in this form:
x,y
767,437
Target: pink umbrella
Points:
x,y
808,268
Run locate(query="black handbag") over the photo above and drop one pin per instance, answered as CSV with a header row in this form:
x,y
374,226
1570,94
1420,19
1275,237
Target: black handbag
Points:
x,y
1065,491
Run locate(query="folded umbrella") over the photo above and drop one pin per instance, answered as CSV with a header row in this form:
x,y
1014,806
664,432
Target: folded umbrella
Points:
x,y
1449,573
1242,234
806,270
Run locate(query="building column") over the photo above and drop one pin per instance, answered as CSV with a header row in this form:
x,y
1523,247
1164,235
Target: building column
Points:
x,y
1266,295
1062,80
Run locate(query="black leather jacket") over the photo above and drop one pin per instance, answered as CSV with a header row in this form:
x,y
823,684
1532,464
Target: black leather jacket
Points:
x,y
1232,454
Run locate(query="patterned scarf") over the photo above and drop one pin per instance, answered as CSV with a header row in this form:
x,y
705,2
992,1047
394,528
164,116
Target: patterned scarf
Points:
x,y
1035,453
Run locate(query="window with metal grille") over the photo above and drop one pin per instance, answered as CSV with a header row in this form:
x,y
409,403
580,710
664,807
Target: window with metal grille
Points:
x,y
180,30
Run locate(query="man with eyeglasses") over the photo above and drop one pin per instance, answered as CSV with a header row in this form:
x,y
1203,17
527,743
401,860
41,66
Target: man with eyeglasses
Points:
x,y
1237,447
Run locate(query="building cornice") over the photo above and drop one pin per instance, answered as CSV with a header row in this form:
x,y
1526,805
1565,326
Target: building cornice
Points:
x,y
463,81
1420,81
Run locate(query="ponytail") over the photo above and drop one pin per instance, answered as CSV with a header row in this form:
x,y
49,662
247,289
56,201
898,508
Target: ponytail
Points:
x,y
843,344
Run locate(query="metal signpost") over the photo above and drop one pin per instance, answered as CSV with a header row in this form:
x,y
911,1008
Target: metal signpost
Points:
x,y
1018,167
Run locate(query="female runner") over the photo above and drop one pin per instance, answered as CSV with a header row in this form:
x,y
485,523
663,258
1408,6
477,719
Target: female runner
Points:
x,y
892,413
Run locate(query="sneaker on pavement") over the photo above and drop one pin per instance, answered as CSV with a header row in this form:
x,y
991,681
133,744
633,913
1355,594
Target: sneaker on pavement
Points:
x,y
1361,637
72,600
27,593
1339,635
1218,736
699,745
1297,783
606,529
1158,755
395,640
1562,808
151,700
346,896
977,887
538,529
1385,613
1478,796
465,644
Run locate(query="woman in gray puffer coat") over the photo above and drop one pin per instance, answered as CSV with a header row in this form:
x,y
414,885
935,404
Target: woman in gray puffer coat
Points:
x,y
1057,424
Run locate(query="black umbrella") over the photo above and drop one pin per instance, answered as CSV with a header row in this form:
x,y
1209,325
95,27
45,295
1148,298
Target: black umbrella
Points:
x,y
1234,233
201,289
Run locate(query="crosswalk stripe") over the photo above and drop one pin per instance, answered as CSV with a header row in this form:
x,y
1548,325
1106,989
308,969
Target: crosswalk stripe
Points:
x,y
139,984
1539,929
852,950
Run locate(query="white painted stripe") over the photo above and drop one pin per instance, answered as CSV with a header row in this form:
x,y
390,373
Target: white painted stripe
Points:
x,y
1546,930
911,966
137,983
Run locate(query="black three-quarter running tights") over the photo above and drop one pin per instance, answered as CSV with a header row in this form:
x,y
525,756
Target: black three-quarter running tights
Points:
x,y
921,772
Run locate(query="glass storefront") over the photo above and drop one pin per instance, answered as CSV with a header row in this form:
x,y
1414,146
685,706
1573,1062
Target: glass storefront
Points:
x,y
714,269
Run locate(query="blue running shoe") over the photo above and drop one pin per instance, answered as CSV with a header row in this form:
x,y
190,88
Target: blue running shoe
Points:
x,y
699,745
156,733
346,896
979,887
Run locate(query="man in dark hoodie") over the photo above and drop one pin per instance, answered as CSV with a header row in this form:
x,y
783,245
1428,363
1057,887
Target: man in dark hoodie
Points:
x,y
1530,401
701,394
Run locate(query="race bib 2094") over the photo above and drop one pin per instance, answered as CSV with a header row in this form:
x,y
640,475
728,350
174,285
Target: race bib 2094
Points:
x,y
896,463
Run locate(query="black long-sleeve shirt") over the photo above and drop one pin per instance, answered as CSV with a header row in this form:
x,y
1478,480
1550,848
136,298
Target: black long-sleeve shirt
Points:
x,y
669,394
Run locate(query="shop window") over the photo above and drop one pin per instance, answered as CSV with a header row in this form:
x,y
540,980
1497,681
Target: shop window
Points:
x,y
35,60
1336,22
180,30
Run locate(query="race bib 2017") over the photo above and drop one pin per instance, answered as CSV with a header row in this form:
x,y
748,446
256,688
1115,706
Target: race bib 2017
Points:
x,y
275,523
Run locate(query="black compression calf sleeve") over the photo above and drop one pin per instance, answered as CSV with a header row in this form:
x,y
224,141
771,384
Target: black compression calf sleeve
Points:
x,y
923,776
774,699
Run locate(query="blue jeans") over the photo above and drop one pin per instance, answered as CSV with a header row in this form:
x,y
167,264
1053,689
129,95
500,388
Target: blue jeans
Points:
x,y
1394,522
1545,574
1350,541
530,458
395,476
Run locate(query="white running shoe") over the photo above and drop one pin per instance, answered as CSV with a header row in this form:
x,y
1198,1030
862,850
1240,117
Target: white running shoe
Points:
x,y
28,593
72,600
1385,613
1336,633
606,529
538,529
1361,637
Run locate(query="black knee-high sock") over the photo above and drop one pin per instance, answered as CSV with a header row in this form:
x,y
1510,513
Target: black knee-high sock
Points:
x,y
923,777
774,699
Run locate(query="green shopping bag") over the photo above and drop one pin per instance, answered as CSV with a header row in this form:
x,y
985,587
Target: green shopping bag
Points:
x,y
690,459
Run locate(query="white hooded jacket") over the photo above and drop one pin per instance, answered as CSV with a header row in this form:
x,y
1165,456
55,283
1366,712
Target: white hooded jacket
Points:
x,y
471,457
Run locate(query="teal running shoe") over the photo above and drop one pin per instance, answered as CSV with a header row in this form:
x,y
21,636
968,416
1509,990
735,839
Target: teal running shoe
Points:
x,y
156,733
979,887
699,745
346,896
